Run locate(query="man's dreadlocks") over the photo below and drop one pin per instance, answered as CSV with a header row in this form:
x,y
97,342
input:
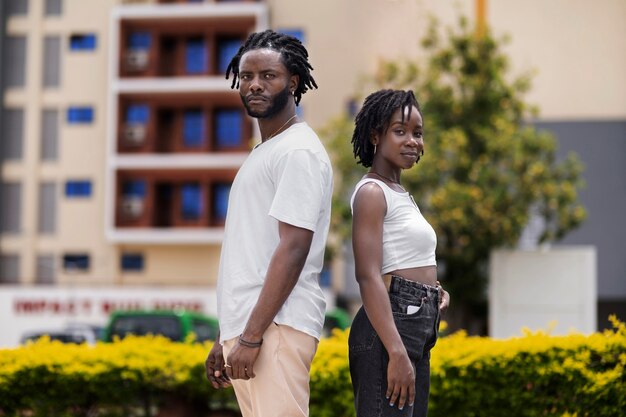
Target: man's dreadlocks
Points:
x,y
294,55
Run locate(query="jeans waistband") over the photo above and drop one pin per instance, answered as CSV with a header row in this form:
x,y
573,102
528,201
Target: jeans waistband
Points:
x,y
396,284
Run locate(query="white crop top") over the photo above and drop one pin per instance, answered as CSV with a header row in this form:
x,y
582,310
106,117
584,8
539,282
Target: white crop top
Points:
x,y
409,241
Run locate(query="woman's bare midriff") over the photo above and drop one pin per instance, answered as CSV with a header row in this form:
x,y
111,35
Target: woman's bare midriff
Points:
x,y
424,274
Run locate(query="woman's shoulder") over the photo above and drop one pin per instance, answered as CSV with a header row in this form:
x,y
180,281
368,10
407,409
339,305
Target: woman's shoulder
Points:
x,y
370,190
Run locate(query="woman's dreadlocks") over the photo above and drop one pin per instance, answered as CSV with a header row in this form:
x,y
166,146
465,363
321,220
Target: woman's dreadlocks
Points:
x,y
375,116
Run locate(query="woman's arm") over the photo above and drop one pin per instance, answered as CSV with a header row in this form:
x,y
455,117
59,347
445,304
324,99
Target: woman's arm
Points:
x,y
369,210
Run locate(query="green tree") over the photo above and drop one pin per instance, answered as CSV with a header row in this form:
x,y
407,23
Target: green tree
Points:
x,y
484,168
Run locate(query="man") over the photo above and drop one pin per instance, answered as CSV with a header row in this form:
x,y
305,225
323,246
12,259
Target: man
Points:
x,y
270,305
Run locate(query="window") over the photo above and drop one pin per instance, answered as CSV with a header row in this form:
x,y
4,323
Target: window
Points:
x,y
11,144
83,42
10,207
134,188
16,7
193,128
80,115
76,262
14,61
46,270
191,201
203,331
133,196
228,132
137,114
51,61
139,40
226,50
195,56
47,207
220,202
132,262
54,7
78,189
49,135
9,269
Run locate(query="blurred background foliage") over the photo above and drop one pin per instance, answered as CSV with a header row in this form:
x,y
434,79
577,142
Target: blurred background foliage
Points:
x,y
485,168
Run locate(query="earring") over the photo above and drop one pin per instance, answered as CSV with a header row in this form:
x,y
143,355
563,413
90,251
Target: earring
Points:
x,y
374,149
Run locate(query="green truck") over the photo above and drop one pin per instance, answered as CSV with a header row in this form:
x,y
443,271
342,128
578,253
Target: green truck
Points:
x,y
178,325
173,324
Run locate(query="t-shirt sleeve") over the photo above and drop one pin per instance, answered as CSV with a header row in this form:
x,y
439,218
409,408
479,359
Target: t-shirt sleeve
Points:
x,y
300,179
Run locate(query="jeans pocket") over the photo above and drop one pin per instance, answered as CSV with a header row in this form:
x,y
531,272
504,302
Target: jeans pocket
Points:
x,y
405,306
362,333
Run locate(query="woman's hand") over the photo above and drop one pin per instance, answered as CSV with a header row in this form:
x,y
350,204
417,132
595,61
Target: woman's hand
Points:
x,y
444,298
400,381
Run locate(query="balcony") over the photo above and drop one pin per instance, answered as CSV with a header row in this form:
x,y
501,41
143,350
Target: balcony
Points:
x,y
182,124
181,199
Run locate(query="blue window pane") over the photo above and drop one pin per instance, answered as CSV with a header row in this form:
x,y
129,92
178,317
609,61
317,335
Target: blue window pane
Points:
x,y
77,115
138,113
228,128
195,56
78,188
83,42
132,262
193,128
226,50
296,33
76,262
134,188
220,201
139,40
191,197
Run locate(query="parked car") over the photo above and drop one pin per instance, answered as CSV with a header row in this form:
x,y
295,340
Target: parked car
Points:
x,y
175,325
73,333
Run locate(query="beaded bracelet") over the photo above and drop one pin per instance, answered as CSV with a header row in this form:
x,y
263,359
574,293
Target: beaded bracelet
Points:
x,y
245,343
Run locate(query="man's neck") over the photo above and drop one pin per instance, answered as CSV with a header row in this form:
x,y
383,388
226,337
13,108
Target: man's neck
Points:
x,y
277,124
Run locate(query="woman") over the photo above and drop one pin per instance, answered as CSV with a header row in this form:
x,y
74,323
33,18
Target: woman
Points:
x,y
393,332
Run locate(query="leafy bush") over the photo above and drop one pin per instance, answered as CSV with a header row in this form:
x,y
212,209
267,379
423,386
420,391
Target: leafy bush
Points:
x,y
533,375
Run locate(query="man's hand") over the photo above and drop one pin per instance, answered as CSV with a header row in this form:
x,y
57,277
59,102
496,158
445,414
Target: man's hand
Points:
x,y
215,367
241,361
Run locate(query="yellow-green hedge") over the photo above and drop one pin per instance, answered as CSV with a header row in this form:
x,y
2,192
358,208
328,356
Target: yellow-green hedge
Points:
x,y
534,375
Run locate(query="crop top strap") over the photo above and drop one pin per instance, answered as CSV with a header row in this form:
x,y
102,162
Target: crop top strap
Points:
x,y
381,184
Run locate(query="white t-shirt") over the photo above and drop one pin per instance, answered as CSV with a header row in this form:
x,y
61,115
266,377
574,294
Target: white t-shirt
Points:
x,y
289,179
409,241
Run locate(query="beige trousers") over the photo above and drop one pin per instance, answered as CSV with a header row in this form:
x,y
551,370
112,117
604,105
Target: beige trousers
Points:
x,y
281,385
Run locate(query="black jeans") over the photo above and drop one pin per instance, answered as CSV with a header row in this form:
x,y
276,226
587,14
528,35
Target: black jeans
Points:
x,y
369,359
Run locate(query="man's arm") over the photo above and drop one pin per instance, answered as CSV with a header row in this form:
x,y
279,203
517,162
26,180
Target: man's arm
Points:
x,y
282,275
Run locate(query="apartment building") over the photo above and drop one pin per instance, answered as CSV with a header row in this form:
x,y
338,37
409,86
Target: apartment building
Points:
x,y
120,139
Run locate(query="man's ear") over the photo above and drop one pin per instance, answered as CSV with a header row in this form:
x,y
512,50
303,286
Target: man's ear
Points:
x,y
294,80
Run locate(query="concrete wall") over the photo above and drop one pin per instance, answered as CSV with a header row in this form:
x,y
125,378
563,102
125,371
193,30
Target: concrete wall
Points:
x,y
553,289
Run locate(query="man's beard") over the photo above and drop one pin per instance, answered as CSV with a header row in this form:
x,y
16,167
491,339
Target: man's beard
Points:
x,y
278,103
